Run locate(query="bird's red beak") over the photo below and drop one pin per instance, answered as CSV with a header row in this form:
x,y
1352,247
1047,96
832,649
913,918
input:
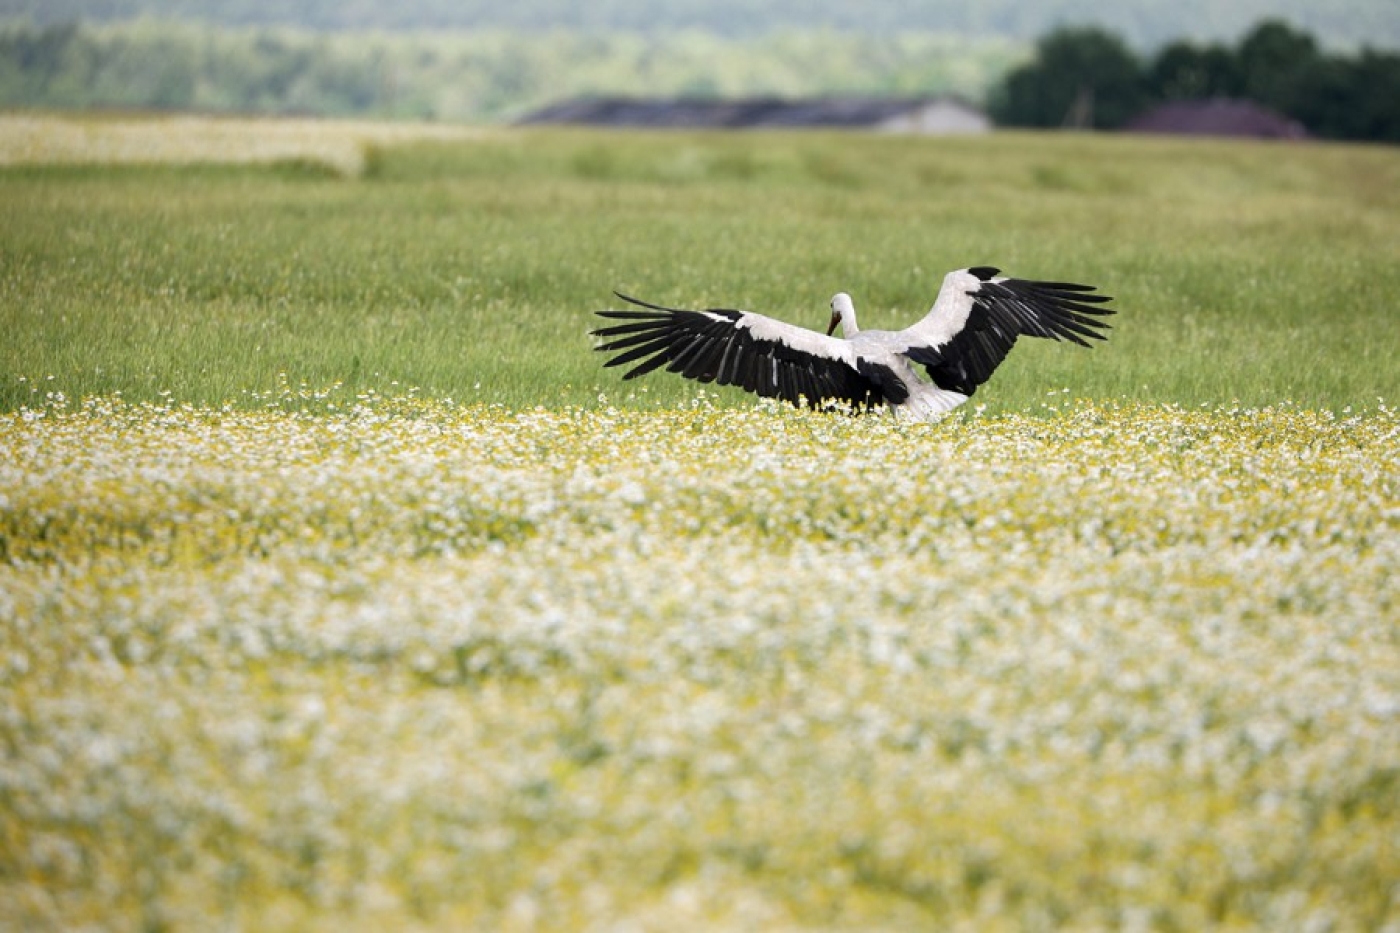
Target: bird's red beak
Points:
x,y
831,328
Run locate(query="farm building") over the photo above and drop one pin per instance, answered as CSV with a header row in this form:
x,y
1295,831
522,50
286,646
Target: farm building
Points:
x,y
931,115
1219,116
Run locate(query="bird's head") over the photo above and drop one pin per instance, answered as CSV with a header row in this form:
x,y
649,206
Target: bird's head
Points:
x,y
843,312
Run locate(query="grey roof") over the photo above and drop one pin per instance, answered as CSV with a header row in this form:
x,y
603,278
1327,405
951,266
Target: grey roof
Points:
x,y
732,114
1219,116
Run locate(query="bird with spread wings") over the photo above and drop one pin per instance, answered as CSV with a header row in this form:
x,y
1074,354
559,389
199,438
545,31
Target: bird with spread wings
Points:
x,y
975,320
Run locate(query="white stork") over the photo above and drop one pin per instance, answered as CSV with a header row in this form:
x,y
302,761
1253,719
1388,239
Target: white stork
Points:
x,y
975,319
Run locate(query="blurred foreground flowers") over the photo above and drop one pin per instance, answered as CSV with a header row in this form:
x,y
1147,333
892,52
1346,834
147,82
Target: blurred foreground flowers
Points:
x,y
415,663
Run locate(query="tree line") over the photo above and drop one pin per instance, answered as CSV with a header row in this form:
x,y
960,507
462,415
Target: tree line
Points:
x,y
1088,76
479,76
1083,76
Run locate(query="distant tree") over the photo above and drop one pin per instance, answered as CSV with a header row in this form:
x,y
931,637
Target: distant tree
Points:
x,y
1272,58
1322,95
1349,98
1376,78
156,71
1083,77
41,63
1183,71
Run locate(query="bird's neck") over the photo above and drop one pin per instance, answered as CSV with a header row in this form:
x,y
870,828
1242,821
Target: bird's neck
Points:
x,y
849,327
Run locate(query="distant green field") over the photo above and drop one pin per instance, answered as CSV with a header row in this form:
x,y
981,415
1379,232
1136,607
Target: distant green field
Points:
x,y
469,270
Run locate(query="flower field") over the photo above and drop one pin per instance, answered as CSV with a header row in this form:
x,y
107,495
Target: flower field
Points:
x,y
412,664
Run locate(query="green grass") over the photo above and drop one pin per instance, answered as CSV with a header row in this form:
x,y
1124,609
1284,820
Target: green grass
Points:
x,y
1243,271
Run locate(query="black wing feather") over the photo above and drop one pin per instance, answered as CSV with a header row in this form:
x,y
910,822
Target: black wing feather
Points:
x,y
1004,310
699,346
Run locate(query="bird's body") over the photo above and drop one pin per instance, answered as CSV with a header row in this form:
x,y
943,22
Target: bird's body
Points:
x,y
973,323
888,348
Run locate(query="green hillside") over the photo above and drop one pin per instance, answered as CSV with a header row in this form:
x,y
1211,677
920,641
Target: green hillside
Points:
x,y
1146,23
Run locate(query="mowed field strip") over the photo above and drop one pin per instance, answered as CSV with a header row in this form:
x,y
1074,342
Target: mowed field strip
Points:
x,y
340,588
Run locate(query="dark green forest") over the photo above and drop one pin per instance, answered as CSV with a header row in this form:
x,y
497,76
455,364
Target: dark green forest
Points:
x,y
1339,96
487,76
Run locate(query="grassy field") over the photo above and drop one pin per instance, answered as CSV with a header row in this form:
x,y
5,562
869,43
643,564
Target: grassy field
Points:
x,y
469,270
341,589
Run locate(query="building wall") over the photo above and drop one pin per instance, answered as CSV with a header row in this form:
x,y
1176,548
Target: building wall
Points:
x,y
939,117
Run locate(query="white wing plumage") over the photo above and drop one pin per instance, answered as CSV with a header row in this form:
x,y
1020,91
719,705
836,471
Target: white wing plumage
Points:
x,y
979,314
